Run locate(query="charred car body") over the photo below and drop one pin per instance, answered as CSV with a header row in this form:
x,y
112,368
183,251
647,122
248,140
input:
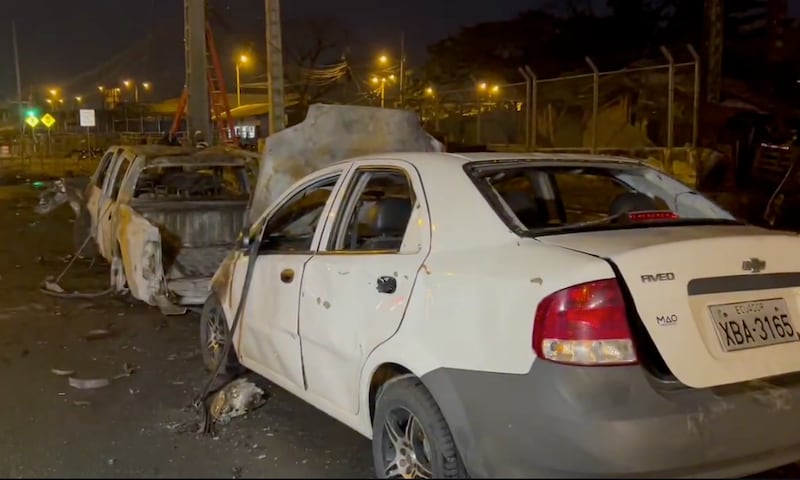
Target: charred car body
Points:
x,y
165,217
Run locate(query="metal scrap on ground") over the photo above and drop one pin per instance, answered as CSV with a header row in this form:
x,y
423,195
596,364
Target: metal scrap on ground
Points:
x,y
236,399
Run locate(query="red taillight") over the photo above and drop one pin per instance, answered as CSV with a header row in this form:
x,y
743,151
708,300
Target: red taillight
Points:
x,y
650,216
585,324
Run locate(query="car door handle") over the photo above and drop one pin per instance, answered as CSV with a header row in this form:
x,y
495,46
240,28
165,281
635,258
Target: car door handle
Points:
x,y
387,285
287,275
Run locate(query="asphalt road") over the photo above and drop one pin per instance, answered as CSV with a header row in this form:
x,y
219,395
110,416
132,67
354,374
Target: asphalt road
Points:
x,y
141,425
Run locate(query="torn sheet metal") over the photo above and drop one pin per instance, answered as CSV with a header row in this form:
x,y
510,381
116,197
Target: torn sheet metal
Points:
x,y
332,133
236,399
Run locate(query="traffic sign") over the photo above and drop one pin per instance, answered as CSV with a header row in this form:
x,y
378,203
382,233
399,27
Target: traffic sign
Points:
x,y
87,117
32,121
48,120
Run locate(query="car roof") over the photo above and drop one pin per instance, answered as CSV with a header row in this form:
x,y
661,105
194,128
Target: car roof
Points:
x,y
461,159
166,155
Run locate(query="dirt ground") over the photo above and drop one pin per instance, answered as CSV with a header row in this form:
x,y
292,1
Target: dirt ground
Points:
x,y
141,425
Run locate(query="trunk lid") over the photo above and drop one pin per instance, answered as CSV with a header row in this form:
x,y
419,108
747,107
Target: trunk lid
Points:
x,y
721,303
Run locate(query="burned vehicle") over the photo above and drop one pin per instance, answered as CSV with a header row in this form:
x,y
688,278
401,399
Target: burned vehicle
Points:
x,y
165,218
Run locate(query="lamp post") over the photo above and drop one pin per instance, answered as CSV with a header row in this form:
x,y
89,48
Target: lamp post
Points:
x,y
242,60
381,82
128,84
489,90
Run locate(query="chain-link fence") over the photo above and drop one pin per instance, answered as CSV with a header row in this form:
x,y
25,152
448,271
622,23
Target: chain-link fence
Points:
x,y
651,106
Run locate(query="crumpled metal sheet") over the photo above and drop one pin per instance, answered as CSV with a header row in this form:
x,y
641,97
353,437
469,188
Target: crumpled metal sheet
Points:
x,y
236,399
331,133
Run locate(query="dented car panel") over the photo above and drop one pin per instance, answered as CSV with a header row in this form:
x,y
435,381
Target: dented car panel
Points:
x,y
140,245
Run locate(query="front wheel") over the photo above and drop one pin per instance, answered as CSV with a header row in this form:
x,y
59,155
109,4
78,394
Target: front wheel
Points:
x,y
410,437
214,335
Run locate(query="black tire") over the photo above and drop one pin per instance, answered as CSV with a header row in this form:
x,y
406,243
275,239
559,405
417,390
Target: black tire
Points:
x,y
213,312
439,453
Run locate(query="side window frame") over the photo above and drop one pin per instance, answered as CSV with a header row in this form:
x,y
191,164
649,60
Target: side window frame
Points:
x,y
347,208
336,177
122,169
106,164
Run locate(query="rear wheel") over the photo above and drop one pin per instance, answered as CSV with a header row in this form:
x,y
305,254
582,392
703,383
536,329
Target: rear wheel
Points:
x,y
214,335
410,437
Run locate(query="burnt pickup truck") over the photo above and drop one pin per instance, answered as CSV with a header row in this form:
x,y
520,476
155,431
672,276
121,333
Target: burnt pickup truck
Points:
x,y
165,217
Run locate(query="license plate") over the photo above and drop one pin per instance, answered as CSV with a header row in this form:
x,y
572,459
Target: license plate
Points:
x,y
740,326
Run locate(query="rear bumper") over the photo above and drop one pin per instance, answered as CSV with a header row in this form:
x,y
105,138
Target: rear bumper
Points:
x,y
563,421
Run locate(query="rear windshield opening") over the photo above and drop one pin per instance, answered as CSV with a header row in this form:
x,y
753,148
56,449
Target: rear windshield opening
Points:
x,y
555,198
224,182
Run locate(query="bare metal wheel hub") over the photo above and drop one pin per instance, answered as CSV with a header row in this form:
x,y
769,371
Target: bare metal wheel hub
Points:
x,y
405,447
215,324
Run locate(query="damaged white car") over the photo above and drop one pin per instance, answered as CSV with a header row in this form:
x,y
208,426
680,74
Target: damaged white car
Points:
x,y
165,217
527,315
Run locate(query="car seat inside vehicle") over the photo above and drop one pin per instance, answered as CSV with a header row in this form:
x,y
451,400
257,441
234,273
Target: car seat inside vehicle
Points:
x,y
386,222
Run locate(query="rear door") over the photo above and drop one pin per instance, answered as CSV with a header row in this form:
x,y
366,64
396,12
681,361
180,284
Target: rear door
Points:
x,y
95,189
356,289
722,304
107,203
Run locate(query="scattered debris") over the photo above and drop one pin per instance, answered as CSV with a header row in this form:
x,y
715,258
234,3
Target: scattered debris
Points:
x,y
88,383
62,373
127,371
53,287
236,399
97,334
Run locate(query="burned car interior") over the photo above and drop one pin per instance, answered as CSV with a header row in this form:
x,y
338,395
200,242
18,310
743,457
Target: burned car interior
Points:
x,y
191,182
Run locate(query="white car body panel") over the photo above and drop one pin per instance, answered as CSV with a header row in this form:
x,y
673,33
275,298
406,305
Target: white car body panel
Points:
x,y
343,317
690,345
469,287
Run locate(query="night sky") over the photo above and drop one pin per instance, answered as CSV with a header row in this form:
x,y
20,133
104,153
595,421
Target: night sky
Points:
x,y
65,42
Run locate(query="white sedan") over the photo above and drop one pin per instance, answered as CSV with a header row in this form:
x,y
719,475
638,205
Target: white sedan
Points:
x,y
536,315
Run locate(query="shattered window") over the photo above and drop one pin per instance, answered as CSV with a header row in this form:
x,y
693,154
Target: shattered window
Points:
x,y
192,182
573,197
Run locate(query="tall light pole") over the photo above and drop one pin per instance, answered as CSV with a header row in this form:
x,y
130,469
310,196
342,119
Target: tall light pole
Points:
x,y
128,84
489,90
381,82
242,60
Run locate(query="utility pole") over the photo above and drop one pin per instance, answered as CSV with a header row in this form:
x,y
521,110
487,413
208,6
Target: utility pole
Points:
x,y
19,89
199,114
715,39
277,111
402,68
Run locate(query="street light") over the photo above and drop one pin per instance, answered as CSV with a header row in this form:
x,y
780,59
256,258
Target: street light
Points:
x,y
242,60
381,81
489,90
128,84
383,59
53,92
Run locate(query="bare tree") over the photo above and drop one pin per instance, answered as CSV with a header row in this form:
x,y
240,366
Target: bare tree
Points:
x,y
315,58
